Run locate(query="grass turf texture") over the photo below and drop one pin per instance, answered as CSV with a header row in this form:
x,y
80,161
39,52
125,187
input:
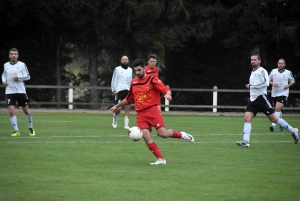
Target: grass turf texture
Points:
x,y
81,157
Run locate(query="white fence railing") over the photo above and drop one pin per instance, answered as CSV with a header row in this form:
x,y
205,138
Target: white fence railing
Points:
x,y
166,105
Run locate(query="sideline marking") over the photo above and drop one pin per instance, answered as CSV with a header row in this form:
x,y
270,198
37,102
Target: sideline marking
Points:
x,y
125,135
111,142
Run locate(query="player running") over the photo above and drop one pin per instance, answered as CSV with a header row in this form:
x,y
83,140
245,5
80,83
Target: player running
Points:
x,y
258,83
281,80
13,77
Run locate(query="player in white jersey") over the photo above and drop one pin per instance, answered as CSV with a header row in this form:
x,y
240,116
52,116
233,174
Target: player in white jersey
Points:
x,y
281,80
120,85
258,83
13,77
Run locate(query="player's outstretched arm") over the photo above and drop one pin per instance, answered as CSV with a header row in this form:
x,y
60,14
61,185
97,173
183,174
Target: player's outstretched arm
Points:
x,y
168,95
123,102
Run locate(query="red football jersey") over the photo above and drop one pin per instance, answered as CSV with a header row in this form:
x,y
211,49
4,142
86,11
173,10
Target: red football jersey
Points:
x,y
151,71
145,92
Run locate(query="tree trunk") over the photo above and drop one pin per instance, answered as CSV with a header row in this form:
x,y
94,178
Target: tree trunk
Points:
x,y
93,75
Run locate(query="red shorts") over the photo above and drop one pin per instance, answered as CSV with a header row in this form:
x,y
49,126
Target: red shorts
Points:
x,y
148,117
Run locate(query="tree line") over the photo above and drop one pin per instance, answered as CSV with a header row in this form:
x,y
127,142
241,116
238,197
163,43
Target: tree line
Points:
x,y
199,43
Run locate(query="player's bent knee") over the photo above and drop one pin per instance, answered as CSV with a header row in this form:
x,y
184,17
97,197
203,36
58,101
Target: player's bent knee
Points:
x,y
247,120
147,137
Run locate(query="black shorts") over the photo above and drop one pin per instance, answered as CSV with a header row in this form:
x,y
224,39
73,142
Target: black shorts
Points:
x,y
22,99
120,96
280,99
261,104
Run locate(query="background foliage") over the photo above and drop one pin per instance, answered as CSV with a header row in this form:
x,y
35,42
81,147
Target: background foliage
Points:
x,y
200,44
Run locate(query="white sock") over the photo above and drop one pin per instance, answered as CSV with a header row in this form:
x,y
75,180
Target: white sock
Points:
x,y
14,123
284,124
277,114
280,115
126,121
247,131
29,120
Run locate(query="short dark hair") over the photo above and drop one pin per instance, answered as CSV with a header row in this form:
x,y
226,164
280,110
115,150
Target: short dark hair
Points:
x,y
282,60
152,56
13,50
257,55
138,62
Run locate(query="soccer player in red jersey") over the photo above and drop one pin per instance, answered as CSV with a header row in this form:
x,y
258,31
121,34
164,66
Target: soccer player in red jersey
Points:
x,y
153,70
144,92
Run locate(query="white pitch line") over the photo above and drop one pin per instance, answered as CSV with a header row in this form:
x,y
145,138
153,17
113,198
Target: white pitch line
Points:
x,y
220,134
44,121
56,121
124,135
111,142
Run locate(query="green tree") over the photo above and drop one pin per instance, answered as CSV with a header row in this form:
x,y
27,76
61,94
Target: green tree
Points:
x,y
31,26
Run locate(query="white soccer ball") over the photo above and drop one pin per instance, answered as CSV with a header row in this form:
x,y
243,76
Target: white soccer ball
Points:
x,y
135,133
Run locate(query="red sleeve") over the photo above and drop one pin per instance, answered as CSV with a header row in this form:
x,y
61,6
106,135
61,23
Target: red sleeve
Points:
x,y
160,86
130,96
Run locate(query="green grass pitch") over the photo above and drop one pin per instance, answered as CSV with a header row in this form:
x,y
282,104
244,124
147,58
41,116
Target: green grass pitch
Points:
x,y
79,156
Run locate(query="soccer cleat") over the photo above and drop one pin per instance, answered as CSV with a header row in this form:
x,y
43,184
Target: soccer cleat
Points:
x,y
114,123
159,161
31,132
126,127
271,128
15,133
295,135
280,128
242,143
187,137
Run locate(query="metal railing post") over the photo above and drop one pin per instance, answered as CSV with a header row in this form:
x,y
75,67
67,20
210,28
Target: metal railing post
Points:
x,y
167,102
71,96
215,98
